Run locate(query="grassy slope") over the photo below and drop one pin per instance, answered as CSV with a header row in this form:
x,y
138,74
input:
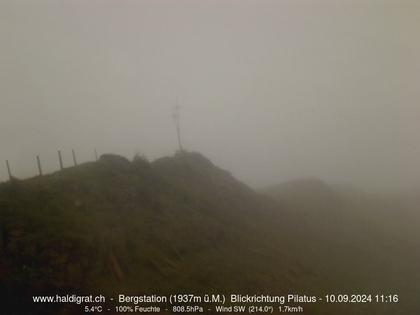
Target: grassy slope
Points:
x,y
179,224
359,243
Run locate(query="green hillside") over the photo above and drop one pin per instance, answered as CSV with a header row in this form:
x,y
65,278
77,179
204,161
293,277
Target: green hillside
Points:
x,y
357,242
178,224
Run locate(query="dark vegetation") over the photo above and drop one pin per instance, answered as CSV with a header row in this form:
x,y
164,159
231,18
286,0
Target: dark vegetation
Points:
x,y
180,224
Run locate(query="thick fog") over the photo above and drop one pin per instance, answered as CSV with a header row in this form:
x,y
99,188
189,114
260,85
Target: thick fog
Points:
x,y
270,90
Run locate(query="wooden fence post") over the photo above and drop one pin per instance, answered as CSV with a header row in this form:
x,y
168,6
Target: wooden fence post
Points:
x,y
60,159
38,160
74,157
8,170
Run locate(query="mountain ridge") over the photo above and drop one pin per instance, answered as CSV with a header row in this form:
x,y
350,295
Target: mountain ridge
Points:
x,y
181,224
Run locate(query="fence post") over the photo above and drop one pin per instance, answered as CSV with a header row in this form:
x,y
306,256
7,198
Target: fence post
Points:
x,y
8,170
60,159
74,157
38,160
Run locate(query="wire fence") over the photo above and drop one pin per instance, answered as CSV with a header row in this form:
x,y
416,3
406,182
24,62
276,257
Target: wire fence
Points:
x,y
38,160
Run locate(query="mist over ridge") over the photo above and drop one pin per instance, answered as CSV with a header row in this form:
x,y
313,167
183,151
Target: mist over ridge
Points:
x,y
271,91
185,149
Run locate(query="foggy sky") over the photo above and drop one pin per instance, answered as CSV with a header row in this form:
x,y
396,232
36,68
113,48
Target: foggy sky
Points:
x,y
270,90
